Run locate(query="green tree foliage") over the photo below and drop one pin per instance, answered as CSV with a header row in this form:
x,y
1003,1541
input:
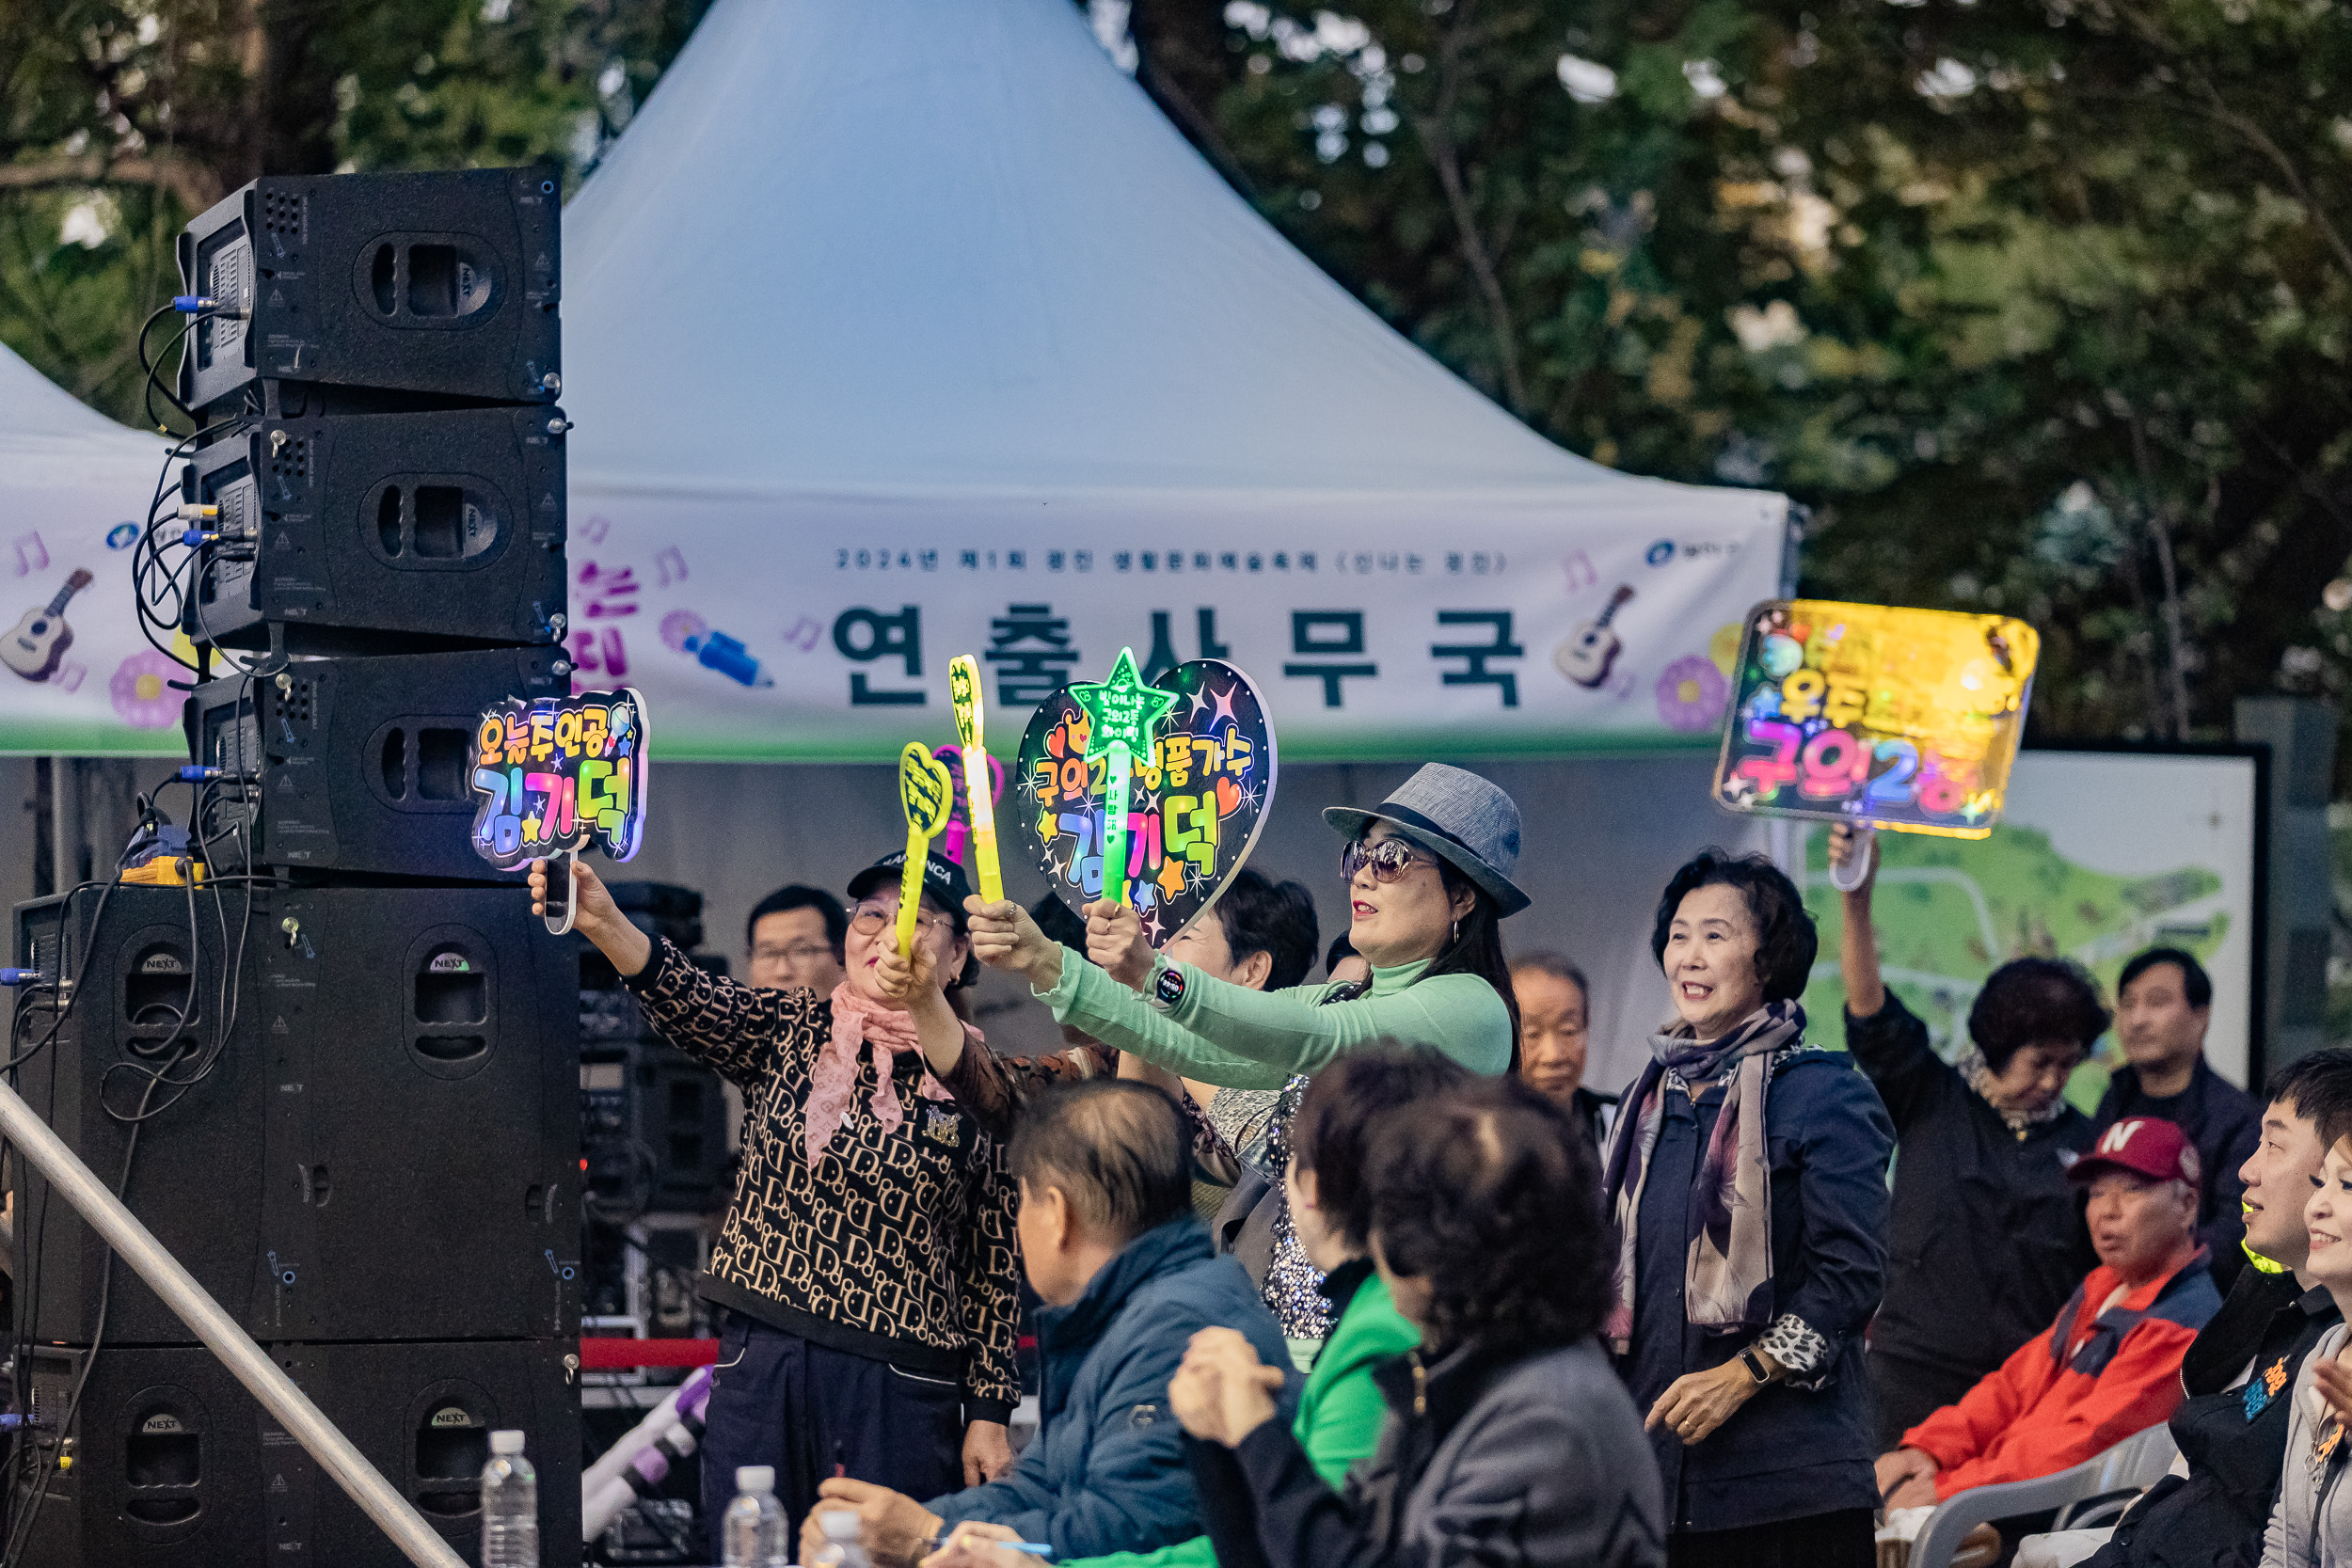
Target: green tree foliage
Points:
x,y
2039,307
121,118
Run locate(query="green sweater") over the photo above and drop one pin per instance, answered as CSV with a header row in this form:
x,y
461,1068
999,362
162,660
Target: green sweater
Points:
x,y
1340,1411
1238,1039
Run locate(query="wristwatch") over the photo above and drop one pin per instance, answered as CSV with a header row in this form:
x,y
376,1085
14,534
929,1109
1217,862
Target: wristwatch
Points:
x,y
1755,1368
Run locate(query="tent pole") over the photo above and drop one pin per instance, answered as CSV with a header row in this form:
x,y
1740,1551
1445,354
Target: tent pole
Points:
x,y
72,1181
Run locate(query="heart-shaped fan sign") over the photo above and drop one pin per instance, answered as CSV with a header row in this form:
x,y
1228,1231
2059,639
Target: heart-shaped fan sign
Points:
x,y
1195,805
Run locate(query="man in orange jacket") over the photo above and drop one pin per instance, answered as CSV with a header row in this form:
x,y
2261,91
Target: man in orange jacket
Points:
x,y
2110,1365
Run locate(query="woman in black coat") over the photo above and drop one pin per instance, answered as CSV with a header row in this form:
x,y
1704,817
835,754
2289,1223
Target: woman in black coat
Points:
x,y
1987,1240
1747,1175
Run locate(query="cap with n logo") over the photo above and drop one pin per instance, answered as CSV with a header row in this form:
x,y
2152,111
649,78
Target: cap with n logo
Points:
x,y
2145,1146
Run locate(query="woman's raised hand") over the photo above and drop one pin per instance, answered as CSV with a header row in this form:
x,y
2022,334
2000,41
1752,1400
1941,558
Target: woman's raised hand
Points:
x,y
1842,851
1003,936
1115,941
596,916
901,978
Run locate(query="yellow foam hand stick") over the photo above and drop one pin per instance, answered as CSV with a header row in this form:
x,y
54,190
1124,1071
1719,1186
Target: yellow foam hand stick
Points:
x,y
964,689
926,794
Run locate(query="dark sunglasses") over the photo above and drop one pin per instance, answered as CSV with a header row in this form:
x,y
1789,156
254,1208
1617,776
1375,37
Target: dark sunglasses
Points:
x,y
1390,859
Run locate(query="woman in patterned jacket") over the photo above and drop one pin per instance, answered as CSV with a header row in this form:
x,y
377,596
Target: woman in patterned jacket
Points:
x,y
866,1268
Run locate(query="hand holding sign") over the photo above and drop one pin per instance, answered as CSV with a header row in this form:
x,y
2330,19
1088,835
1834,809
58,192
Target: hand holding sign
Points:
x,y
926,795
964,690
1876,716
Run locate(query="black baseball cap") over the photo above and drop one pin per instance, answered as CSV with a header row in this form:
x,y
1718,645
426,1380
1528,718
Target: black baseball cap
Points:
x,y
943,878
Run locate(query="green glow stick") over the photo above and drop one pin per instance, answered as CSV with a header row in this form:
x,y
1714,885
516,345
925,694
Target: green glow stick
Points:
x,y
964,690
1122,713
925,794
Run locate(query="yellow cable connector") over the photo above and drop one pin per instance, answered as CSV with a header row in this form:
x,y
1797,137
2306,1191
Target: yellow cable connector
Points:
x,y
166,871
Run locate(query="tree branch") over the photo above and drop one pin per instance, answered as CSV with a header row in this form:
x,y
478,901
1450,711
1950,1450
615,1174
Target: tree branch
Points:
x,y
1436,131
196,186
2217,109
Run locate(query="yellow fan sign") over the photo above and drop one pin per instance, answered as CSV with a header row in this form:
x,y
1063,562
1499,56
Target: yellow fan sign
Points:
x,y
926,795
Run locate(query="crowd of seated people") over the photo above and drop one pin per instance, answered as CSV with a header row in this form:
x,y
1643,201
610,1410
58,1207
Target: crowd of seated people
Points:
x,y
1503,1317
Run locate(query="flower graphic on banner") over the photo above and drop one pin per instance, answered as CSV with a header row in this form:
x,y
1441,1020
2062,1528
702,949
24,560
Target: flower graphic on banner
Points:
x,y
1691,693
141,690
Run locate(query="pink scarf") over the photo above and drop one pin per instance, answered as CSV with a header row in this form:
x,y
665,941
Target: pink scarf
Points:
x,y
857,1021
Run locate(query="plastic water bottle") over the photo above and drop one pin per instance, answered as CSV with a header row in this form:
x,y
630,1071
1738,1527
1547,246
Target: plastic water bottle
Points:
x,y
510,1505
751,1534
845,1540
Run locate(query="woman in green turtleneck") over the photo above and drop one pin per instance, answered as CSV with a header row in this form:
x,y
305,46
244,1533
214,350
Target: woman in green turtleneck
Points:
x,y
1428,875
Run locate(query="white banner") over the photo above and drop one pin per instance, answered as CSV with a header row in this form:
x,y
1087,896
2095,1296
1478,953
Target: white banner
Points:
x,y
1377,627
820,629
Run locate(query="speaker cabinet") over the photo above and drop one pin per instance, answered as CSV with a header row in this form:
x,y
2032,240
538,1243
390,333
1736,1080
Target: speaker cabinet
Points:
x,y
361,761
177,1467
386,1147
382,532
444,285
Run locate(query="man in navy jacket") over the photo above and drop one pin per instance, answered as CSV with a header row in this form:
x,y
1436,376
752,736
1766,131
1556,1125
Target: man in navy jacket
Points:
x,y
1110,1240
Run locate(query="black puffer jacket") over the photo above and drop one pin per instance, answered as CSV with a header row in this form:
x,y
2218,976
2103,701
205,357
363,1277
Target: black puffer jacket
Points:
x,y
1985,1240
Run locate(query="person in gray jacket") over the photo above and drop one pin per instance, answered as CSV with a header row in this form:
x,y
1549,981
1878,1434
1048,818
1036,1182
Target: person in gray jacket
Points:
x,y
1510,1441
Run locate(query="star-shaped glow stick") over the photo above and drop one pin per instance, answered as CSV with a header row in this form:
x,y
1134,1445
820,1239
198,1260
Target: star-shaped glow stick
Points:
x,y
964,690
1122,713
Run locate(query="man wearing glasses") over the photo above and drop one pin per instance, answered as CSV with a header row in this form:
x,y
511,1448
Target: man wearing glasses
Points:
x,y
796,935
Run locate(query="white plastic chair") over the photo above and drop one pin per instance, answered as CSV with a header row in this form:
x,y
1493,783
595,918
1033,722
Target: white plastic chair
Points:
x,y
2110,1478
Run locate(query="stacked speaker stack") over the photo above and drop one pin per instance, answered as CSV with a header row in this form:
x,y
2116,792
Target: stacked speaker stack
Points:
x,y
377,1170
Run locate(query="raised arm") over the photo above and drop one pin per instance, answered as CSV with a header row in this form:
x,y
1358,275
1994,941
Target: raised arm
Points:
x,y
1857,944
734,1029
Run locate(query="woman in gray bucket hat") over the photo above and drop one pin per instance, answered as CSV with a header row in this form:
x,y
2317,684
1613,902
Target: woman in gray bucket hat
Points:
x,y
1429,874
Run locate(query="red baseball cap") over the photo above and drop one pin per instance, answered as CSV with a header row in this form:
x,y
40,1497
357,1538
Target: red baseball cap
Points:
x,y
2145,1146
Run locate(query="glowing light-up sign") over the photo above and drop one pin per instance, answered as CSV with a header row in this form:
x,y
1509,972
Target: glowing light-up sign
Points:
x,y
559,775
963,692
1195,798
1876,716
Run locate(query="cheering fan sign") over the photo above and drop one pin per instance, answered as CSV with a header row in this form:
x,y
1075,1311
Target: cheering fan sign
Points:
x,y
559,775
1876,716
1197,795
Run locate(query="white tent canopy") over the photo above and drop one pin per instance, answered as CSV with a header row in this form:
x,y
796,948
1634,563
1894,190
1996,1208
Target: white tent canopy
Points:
x,y
70,478
866,281
943,245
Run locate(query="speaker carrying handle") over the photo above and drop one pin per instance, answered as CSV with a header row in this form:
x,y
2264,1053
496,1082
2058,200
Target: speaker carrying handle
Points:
x,y
71,1179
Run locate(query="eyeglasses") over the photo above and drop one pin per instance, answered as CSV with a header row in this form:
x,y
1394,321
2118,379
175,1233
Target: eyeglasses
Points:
x,y
1390,859
867,919
798,952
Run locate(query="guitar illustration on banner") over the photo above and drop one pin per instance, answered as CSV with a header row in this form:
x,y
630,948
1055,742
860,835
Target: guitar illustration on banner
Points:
x,y
39,639
1587,657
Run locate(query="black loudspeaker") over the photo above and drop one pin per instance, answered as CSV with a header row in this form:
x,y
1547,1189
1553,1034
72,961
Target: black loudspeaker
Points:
x,y
441,284
366,531
361,761
387,1144
653,1121
177,1467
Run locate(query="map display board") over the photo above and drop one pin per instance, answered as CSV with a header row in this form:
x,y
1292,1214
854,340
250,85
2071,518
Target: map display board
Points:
x,y
2098,855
